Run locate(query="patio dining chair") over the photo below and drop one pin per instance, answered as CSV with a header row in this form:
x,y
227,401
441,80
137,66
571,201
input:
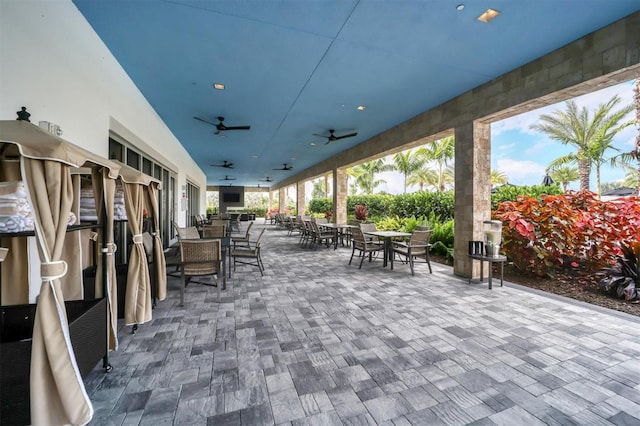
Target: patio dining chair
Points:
x,y
364,246
214,231
200,258
321,234
249,255
242,240
417,247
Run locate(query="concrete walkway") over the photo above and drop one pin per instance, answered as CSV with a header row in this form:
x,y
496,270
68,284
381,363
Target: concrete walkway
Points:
x,y
318,342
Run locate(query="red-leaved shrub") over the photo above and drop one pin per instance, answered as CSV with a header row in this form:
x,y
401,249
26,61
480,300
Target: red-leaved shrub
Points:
x,y
576,229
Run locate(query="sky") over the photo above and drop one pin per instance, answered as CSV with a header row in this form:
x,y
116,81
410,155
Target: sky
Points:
x,y
523,154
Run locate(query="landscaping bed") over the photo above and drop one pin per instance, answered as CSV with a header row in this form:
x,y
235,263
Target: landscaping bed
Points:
x,y
568,283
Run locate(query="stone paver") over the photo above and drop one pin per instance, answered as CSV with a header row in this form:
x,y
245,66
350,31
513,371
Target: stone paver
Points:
x,y
318,342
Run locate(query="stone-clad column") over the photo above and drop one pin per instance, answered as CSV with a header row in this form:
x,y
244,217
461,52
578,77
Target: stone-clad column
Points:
x,y
282,199
472,191
340,189
300,202
270,199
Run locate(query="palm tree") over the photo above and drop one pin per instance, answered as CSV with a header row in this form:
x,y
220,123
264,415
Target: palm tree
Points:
x,y
423,178
442,152
565,175
364,174
319,189
635,154
592,136
407,163
498,178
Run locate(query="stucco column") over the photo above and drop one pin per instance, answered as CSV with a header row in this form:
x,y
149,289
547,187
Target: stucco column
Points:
x,y
340,190
270,200
472,191
281,200
300,202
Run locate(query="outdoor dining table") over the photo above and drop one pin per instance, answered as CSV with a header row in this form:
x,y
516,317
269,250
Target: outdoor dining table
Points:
x,y
387,236
337,228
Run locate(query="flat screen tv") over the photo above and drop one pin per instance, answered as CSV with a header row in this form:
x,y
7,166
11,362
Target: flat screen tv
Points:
x,y
231,197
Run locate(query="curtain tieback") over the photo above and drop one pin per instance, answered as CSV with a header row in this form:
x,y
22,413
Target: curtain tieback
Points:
x,y
53,270
137,239
109,249
93,236
3,253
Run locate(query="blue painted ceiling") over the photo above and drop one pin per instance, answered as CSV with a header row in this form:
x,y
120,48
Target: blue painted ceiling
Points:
x,y
294,68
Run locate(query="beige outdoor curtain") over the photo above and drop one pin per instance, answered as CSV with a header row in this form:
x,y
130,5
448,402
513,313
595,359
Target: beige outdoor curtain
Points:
x,y
104,189
160,261
58,395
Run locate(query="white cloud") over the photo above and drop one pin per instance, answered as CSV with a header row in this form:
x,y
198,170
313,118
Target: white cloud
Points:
x,y
521,172
540,146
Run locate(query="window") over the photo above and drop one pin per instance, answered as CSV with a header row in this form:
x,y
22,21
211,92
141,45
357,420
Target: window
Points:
x,y
166,197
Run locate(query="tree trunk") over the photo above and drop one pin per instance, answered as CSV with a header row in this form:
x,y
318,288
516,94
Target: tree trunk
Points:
x,y
584,171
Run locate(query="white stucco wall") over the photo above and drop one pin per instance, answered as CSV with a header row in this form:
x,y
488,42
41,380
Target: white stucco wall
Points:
x,y
52,62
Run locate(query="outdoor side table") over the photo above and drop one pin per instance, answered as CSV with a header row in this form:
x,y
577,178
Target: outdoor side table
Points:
x,y
501,259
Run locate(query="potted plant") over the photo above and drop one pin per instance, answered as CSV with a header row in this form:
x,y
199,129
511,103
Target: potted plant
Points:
x,y
361,212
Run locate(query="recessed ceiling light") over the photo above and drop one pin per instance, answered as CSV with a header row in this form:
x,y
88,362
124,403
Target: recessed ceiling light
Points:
x,y
459,7
218,86
488,16
361,107
254,156
312,143
293,158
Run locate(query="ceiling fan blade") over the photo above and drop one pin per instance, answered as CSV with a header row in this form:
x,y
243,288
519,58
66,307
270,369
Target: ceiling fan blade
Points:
x,y
237,127
205,121
350,135
320,136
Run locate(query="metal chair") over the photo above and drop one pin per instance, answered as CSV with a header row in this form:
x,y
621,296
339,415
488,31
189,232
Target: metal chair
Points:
x,y
243,240
200,258
249,255
364,246
417,246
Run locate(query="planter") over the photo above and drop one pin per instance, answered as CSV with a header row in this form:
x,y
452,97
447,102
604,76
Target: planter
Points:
x,y
88,331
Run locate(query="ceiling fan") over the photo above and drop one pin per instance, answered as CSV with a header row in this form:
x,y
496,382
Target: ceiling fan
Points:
x,y
227,178
220,127
224,164
285,167
268,179
333,138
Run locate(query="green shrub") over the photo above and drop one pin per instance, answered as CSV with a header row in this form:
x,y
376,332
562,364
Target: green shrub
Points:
x,y
511,192
321,205
423,203
377,205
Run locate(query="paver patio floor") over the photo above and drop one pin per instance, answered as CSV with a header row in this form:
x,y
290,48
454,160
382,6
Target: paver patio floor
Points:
x,y
318,342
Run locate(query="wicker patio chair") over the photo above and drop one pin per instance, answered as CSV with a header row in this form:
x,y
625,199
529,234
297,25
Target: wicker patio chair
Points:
x,y
186,233
417,247
321,234
364,246
199,258
214,231
249,255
